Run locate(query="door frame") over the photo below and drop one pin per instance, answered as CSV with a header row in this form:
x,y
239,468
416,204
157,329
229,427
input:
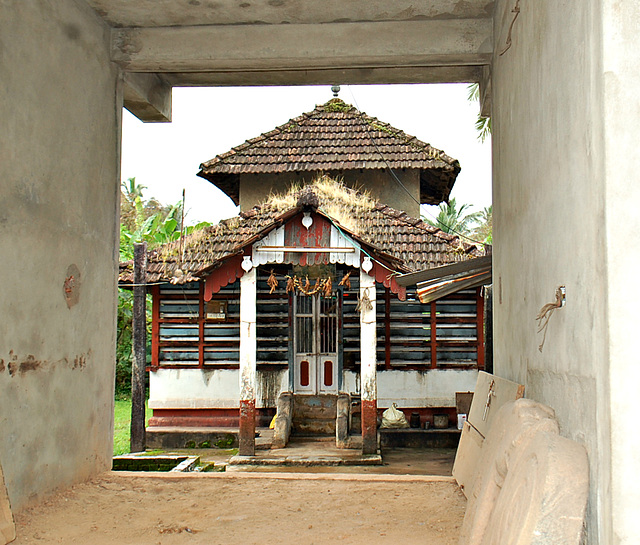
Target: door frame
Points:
x,y
339,340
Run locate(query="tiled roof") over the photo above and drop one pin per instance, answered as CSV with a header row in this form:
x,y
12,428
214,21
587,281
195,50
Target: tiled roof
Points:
x,y
334,137
415,244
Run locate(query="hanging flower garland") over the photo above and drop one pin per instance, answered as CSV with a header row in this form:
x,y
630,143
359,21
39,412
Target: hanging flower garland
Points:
x,y
322,285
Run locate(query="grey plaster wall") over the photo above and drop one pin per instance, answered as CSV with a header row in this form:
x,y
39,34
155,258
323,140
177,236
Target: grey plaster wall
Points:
x,y
59,157
254,188
563,178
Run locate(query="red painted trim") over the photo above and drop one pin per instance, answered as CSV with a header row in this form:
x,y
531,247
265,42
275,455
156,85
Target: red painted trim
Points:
x,y
369,417
480,327
433,334
206,418
227,273
155,327
386,277
317,236
387,328
201,326
247,431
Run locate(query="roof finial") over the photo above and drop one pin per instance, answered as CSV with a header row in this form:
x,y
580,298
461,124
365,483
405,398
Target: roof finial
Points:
x,y
335,89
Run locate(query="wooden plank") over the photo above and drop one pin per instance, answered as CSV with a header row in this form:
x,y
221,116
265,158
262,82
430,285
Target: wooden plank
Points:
x,y
502,390
481,415
139,341
434,292
467,457
467,266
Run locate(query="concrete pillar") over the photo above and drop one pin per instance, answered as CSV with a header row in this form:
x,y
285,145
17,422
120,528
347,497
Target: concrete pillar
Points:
x,y
247,440
369,390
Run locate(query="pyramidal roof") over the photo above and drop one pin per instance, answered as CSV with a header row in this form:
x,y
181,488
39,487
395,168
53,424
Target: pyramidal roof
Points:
x,y
334,137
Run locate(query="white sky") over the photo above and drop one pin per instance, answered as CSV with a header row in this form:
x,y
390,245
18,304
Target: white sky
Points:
x,y
165,157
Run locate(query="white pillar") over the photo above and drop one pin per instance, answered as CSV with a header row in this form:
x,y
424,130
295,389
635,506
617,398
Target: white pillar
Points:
x,y
368,379
248,347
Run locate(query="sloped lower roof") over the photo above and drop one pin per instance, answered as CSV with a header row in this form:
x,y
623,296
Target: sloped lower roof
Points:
x,y
412,244
334,137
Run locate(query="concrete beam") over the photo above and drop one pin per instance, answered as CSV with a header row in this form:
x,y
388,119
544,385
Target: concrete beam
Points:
x,y
148,97
485,91
335,46
351,76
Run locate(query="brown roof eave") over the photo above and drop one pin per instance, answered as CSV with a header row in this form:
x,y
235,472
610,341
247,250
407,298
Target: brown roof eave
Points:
x,y
229,184
435,187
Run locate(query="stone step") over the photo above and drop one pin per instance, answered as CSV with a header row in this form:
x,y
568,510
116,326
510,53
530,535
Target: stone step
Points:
x,y
313,427
314,415
314,407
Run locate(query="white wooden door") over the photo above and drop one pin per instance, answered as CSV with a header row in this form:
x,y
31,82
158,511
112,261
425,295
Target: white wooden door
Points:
x,y
315,344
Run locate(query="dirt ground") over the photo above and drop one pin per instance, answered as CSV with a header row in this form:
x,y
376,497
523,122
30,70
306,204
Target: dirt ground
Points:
x,y
248,508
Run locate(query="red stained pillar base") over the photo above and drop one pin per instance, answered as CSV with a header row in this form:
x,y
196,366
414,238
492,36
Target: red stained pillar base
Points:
x,y
247,435
369,426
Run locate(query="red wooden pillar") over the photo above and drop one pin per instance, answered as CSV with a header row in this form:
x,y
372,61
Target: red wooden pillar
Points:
x,y
480,327
201,321
433,334
387,328
155,327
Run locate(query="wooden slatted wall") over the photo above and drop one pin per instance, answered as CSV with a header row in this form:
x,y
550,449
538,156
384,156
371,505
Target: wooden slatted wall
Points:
x,y
182,336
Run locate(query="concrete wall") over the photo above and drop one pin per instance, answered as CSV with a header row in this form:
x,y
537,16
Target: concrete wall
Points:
x,y
414,389
565,112
59,157
255,188
211,388
219,389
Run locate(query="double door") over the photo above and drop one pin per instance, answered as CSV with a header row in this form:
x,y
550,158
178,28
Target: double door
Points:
x,y
315,344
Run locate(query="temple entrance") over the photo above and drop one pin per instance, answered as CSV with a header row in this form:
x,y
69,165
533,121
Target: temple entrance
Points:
x,y
315,344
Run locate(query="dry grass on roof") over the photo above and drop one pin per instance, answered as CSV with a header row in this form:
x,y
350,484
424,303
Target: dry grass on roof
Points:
x,y
338,201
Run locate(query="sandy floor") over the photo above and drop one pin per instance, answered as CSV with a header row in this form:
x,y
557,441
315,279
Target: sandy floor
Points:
x,y
248,508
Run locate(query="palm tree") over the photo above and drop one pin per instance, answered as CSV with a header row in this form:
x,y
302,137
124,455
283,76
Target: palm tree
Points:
x,y
484,228
483,124
453,220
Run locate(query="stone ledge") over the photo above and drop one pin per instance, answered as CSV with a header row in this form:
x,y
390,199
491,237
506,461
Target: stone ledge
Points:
x,y
306,461
419,438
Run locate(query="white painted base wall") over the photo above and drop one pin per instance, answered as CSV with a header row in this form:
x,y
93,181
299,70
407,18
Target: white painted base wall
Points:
x,y
210,388
219,388
433,388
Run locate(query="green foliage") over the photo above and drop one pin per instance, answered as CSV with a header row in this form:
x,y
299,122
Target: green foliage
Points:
x,y
483,124
337,105
122,425
452,219
141,221
483,231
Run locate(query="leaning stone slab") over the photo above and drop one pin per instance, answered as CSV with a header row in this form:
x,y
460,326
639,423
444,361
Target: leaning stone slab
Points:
x,y
515,425
491,393
7,525
342,420
282,426
544,495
